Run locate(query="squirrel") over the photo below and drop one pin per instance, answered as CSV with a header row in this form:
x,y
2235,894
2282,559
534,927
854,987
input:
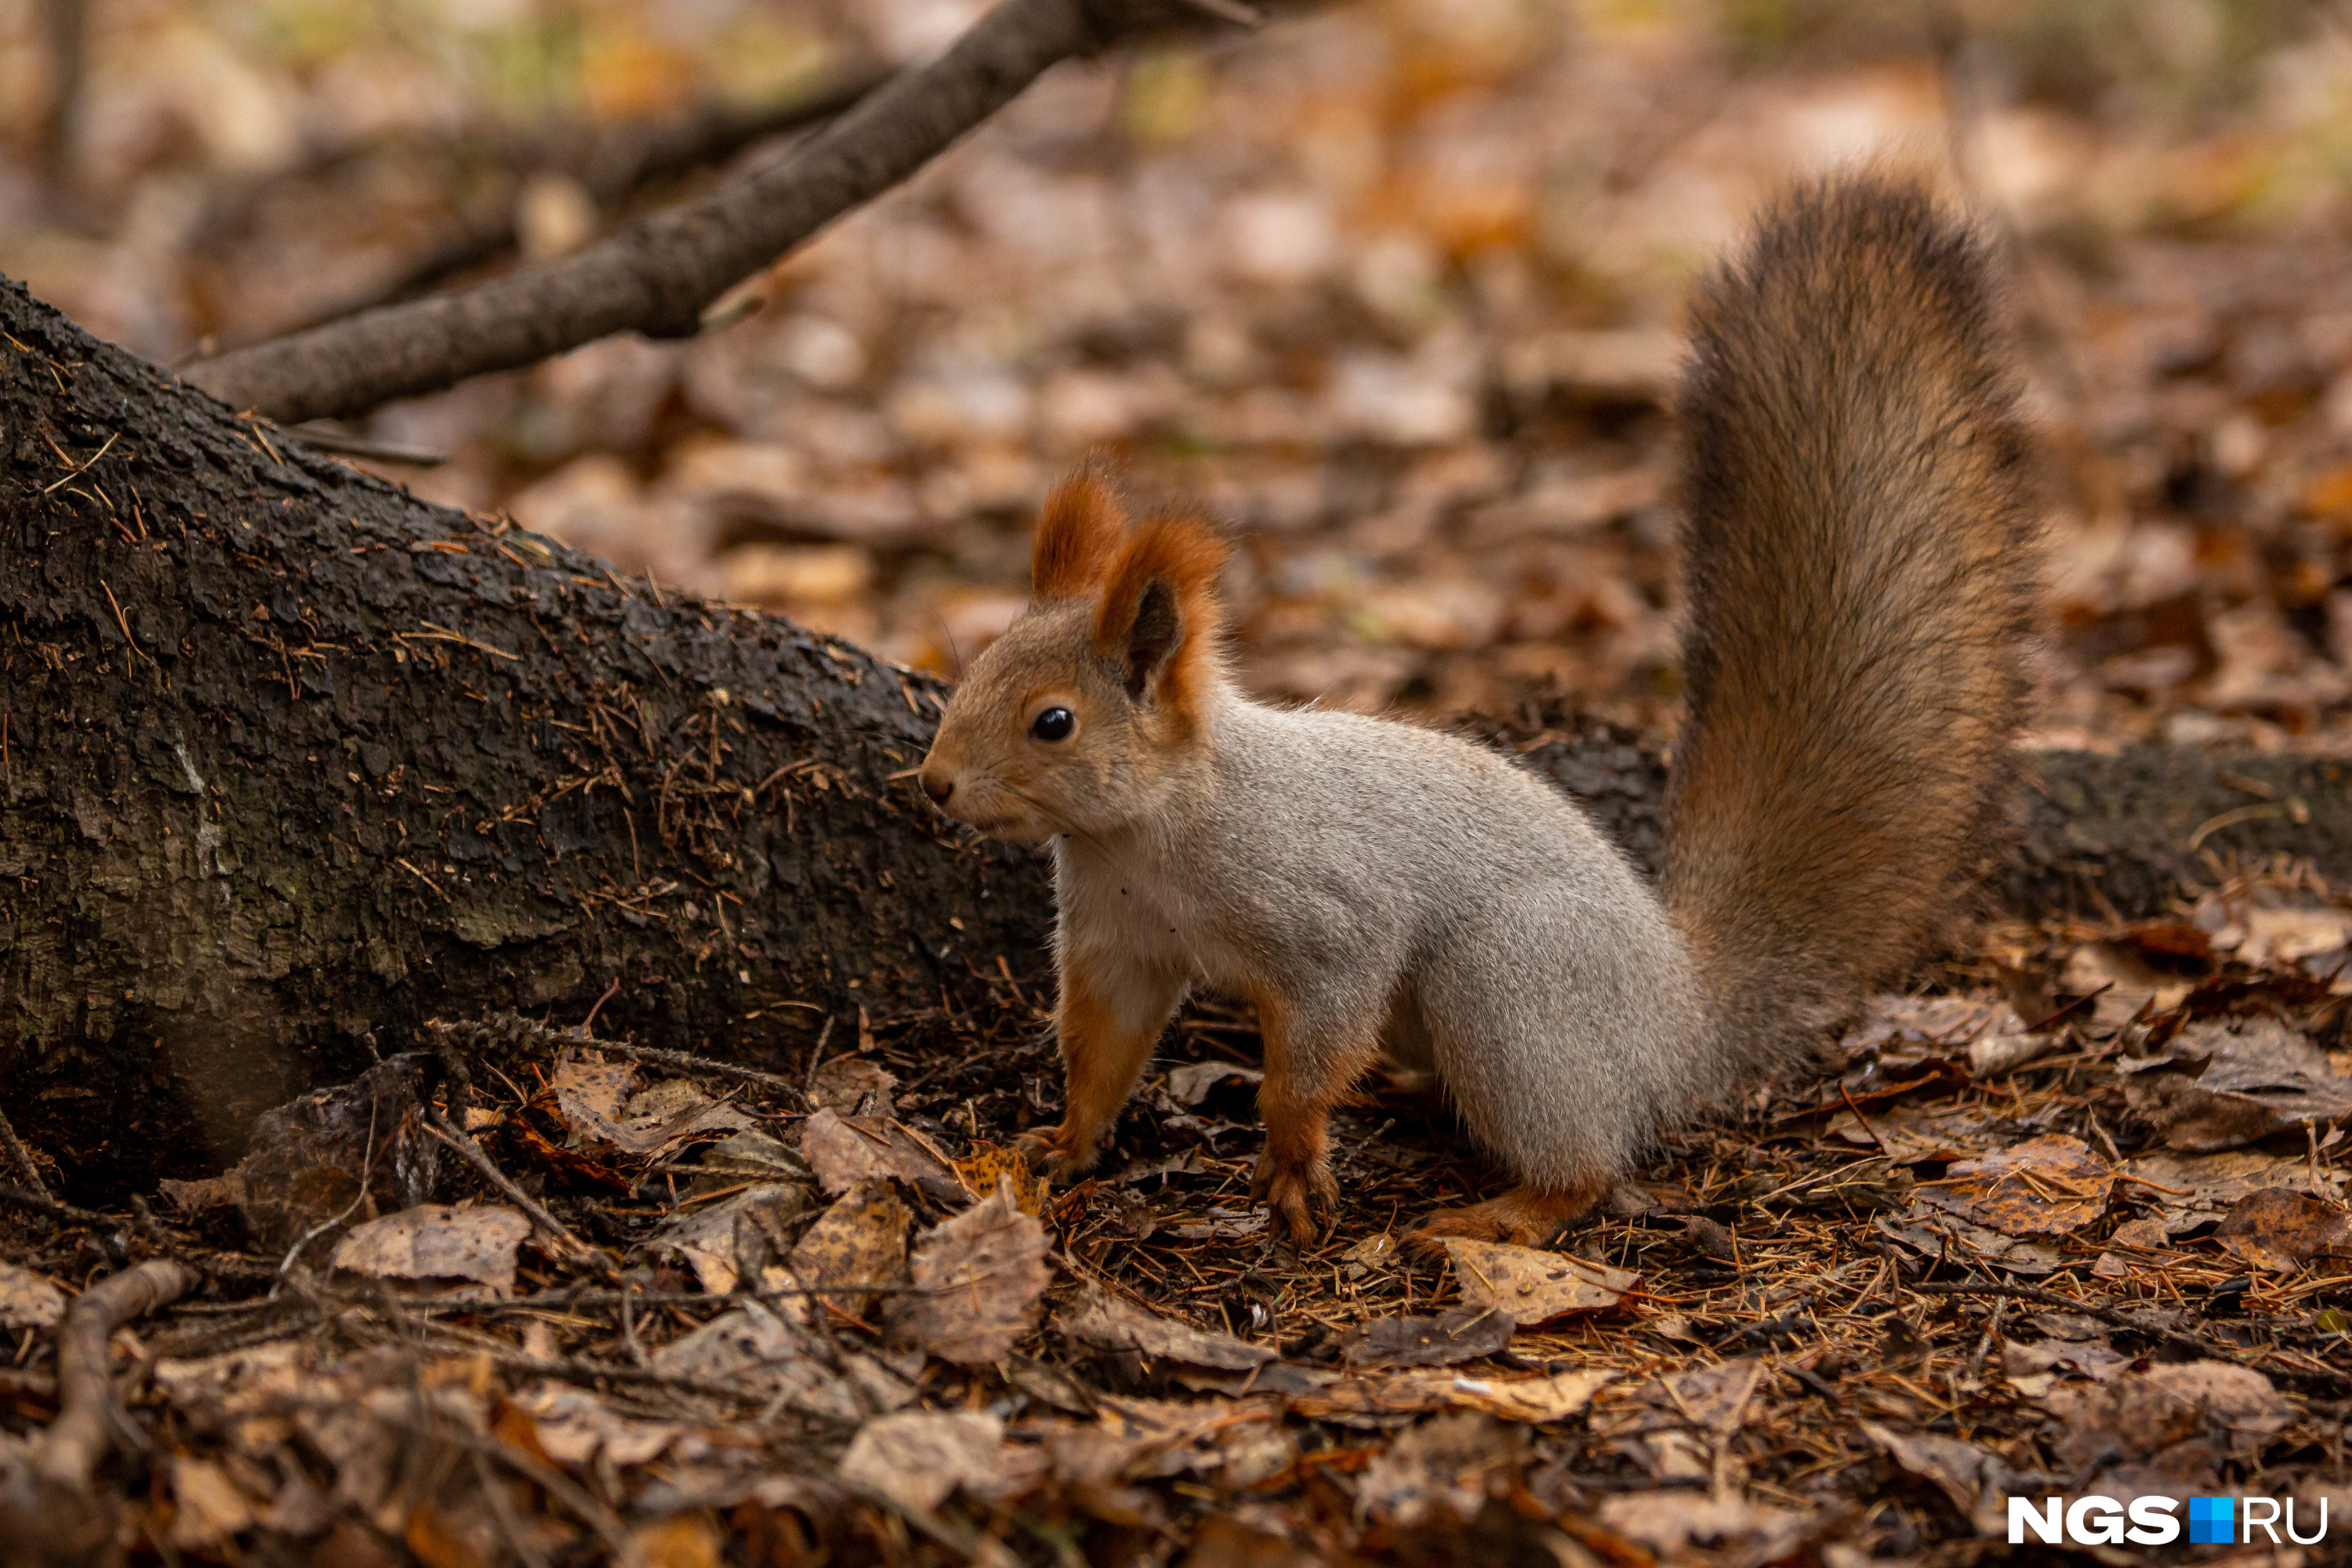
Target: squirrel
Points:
x,y
1860,569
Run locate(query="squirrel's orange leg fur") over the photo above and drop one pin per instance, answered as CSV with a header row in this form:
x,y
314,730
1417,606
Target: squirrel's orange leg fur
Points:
x,y
1524,1216
1306,1074
1108,1020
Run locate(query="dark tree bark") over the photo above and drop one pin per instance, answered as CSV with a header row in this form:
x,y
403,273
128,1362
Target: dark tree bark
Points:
x,y
289,758
2099,836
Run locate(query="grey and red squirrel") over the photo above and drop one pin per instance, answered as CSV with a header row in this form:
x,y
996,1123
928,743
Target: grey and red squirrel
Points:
x,y
1860,569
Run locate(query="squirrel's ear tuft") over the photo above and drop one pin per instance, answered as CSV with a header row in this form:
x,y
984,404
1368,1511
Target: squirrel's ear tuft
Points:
x,y
1077,531
1159,611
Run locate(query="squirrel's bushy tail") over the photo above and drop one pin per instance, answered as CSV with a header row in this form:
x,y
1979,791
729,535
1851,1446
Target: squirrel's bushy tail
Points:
x,y
1862,580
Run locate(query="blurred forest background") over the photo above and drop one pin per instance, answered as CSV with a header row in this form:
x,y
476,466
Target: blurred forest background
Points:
x,y
1392,287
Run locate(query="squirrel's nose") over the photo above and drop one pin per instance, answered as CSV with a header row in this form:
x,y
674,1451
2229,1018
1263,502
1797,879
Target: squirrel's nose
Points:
x,y
939,787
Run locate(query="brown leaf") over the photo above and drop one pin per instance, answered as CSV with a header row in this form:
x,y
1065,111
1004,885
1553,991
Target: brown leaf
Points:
x,y
916,1459
1912,1134
308,1157
846,1149
2224,1083
852,1086
1532,1286
1447,1465
2141,1415
705,1236
2278,1231
1535,1399
1223,1541
1977,1481
754,1349
573,1426
1464,1334
1680,1527
207,1507
1712,1399
989,1164
27,1301
2044,1186
432,1242
686,1541
2029,1368
980,1275
1108,1323
860,1241
590,1090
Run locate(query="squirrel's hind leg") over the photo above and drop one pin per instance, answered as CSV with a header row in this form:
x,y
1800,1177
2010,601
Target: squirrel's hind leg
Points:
x,y
1527,1215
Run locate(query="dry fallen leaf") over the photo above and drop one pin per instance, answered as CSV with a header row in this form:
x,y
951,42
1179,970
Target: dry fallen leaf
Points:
x,y
978,1278
1977,1482
27,1301
207,1507
752,1347
1108,1323
2033,1368
1534,1287
1684,1527
704,1237
1532,1399
590,1089
684,1540
2207,1184
2278,1231
1913,1135
852,1086
573,1426
2047,1186
2225,1083
1133,1439
989,1164
1712,1399
1190,1084
1447,1465
917,1457
860,1241
1464,1334
846,1149
2140,1414
433,1242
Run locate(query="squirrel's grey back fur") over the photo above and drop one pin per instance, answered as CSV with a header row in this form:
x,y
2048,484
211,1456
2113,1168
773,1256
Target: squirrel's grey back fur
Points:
x,y
1416,886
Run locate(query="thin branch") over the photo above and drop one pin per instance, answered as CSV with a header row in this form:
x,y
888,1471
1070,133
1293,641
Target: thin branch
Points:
x,y
707,1065
22,1158
612,162
658,274
47,1206
554,1228
70,1451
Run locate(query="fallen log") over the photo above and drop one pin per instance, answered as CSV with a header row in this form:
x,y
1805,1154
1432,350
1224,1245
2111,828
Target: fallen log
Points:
x,y
290,761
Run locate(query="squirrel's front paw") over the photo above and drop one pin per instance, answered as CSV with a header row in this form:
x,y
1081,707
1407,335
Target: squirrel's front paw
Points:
x,y
1290,1189
1063,1153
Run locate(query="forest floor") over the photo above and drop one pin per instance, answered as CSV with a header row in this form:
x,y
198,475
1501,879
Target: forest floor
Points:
x,y
2074,1225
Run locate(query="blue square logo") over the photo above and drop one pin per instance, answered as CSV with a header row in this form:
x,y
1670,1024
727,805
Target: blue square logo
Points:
x,y
2212,1521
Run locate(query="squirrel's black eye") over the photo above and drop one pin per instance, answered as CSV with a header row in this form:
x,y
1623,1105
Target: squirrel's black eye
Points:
x,y
1053,724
